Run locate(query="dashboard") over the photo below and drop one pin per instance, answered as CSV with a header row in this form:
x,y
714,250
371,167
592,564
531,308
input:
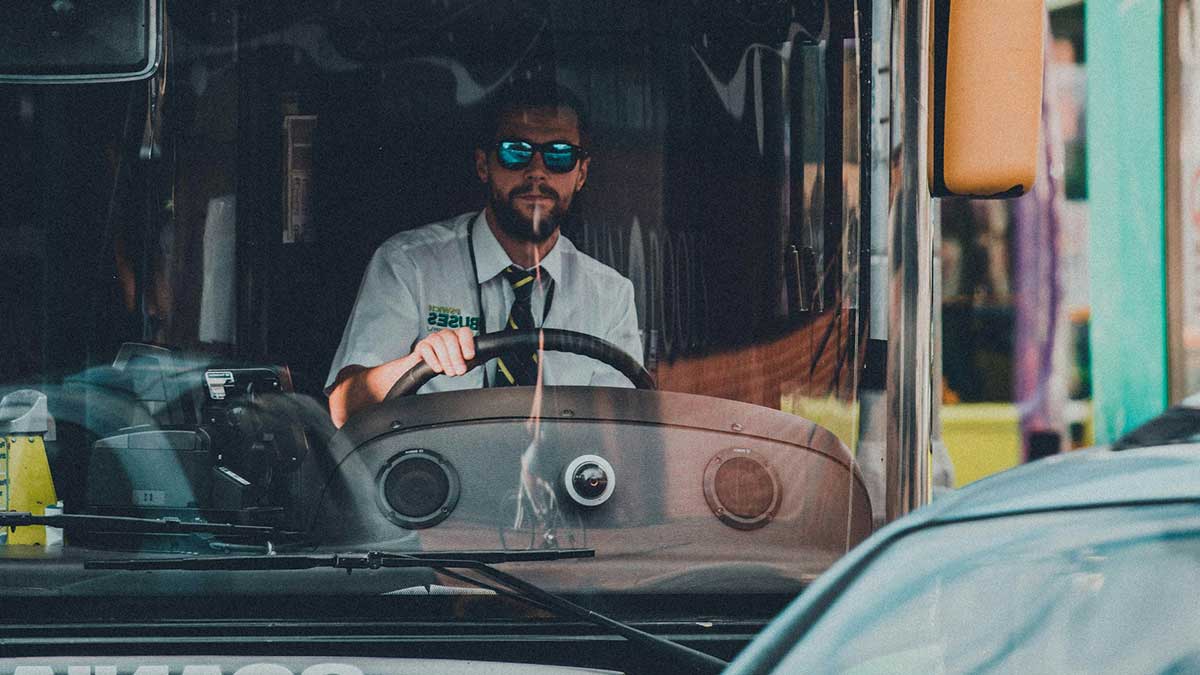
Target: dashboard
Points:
x,y
675,492
695,508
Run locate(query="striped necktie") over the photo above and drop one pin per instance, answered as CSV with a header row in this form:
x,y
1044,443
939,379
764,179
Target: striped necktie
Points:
x,y
519,368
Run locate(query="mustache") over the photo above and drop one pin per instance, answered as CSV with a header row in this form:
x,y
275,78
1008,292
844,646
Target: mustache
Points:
x,y
530,188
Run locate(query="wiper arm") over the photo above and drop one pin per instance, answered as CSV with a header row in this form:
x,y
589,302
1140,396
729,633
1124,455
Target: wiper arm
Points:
x,y
12,519
1178,424
479,561
371,560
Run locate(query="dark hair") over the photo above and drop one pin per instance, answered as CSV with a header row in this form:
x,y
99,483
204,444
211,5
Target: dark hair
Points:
x,y
526,94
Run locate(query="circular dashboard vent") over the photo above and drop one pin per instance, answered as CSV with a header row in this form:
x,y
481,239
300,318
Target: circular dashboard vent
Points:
x,y
741,489
417,488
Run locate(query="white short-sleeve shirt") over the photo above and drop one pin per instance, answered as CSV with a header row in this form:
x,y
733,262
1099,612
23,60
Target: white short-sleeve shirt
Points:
x,y
421,281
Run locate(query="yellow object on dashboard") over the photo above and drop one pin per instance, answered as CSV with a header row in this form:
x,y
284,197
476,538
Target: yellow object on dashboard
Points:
x,y
25,481
25,473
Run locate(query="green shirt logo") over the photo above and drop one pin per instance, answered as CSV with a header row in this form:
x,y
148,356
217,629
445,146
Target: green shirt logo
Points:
x,y
450,317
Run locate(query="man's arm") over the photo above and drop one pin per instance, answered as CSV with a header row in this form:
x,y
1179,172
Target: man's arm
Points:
x,y
357,386
623,333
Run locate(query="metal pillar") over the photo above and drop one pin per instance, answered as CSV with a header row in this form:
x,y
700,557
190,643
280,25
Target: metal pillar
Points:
x,y
910,278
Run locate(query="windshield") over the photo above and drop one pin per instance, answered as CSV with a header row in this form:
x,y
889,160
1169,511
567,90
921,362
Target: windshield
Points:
x,y
1063,592
196,262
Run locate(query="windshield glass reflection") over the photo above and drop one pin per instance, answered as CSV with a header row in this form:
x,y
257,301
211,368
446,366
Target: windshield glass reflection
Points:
x,y
302,195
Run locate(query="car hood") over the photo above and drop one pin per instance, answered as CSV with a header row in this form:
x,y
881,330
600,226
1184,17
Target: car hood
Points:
x,y
1081,479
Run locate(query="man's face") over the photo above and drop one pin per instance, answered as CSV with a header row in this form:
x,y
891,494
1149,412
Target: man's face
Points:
x,y
530,203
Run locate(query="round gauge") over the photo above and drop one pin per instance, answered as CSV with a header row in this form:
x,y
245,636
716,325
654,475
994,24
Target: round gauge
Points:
x,y
589,480
741,489
417,489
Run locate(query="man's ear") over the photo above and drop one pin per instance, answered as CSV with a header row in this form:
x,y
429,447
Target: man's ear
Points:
x,y
481,165
583,173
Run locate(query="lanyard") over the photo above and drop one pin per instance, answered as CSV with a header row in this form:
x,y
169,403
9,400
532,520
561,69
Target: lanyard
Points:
x,y
479,291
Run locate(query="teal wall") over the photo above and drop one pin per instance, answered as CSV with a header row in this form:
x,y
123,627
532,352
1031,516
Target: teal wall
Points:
x,y
1126,213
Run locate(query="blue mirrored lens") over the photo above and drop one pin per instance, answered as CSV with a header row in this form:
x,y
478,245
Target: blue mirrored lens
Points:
x,y
559,158
514,155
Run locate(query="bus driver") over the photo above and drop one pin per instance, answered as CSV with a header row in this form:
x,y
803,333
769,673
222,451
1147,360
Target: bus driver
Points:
x,y
428,292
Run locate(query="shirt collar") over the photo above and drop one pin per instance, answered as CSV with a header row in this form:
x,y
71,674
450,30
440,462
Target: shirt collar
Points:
x,y
490,258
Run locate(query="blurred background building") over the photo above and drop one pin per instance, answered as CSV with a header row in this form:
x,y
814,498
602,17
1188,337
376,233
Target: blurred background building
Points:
x,y
1072,315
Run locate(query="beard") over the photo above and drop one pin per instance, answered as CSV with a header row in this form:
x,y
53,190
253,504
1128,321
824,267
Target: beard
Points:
x,y
515,224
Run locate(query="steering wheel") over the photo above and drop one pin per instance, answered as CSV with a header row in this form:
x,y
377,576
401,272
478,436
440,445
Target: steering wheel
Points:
x,y
491,345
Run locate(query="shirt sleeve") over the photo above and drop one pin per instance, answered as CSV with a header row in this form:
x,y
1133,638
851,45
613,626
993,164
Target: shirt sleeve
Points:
x,y
623,333
385,321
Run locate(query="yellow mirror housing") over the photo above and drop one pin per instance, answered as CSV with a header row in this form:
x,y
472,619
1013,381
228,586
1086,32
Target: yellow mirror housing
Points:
x,y
986,96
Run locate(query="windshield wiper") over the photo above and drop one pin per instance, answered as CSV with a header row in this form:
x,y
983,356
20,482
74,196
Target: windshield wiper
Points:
x,y
92,523
478,561
1178,424
371,560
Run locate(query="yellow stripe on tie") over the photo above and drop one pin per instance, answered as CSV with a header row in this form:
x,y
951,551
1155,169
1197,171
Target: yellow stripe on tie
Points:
x,y
504,369
512,323
534,357
522,282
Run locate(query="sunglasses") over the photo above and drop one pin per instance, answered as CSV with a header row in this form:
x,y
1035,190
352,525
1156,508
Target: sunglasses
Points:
x,y
558,156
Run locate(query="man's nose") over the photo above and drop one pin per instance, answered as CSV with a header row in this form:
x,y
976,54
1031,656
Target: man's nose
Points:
x,y
536,167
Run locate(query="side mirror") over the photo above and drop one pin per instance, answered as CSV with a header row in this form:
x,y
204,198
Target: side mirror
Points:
x,y
986,96
79,41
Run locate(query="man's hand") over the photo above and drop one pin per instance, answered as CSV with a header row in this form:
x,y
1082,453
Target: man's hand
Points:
x,y
357,387
447,351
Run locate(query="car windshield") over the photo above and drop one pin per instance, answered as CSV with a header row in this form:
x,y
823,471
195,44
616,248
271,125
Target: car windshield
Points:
x,y
1098,590
192,261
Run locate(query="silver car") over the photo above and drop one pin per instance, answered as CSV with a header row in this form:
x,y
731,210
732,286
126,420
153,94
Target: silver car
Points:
x,y
1082,563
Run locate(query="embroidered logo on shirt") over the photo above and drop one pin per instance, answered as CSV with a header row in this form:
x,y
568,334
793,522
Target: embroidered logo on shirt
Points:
x,y
450,317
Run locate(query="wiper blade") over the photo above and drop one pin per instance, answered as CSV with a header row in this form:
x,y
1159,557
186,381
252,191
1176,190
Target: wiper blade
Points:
x,y
1178,424
87,522
371,560
479,561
